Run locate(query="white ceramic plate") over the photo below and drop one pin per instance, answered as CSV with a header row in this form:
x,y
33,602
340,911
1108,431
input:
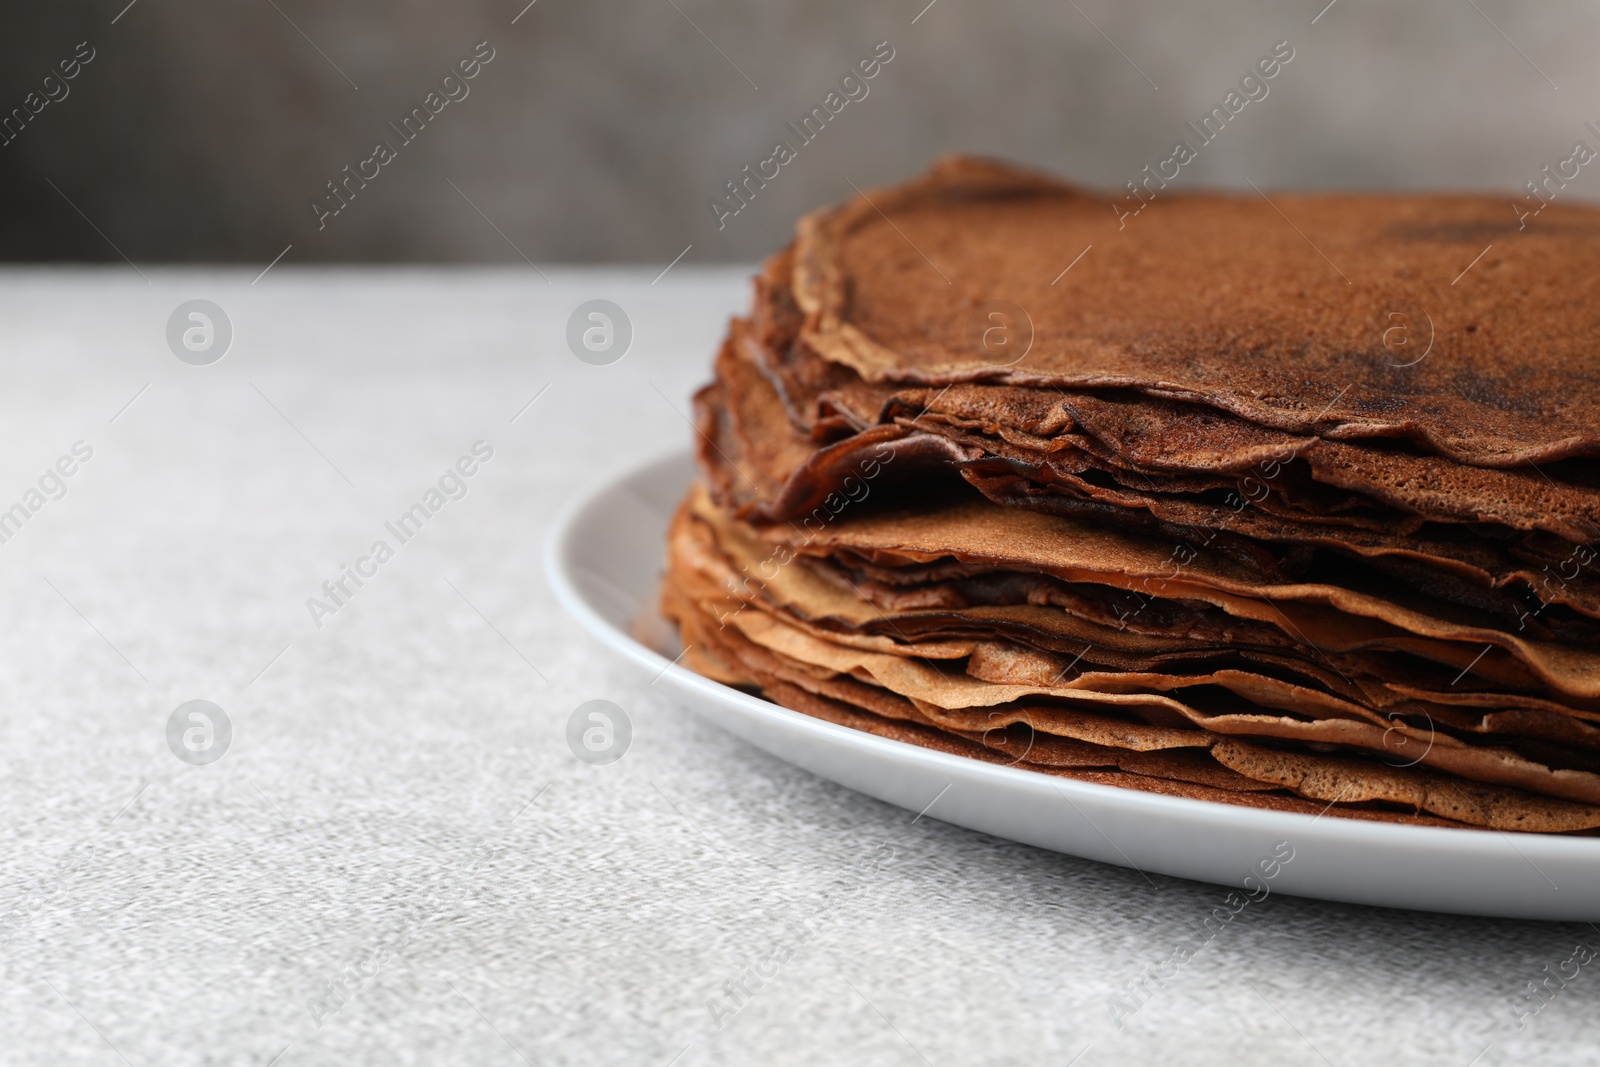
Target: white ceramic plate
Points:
x,y
604,560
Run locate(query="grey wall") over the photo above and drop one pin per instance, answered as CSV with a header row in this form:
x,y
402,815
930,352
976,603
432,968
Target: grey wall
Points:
x,y
203,131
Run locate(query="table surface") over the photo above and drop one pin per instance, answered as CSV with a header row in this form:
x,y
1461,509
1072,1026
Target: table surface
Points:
x,y
399,860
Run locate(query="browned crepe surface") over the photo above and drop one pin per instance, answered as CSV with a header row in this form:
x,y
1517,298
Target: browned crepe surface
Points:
x,y
1084,733
1267,309
1275,515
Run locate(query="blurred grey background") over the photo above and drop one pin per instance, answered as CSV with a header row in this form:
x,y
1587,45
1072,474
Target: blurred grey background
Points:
x,y
599,130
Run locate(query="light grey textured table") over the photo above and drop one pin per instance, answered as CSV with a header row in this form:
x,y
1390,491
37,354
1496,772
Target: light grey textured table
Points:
x,y
398,810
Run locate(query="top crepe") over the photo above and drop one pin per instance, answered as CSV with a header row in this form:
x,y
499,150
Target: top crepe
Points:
x,y
1280,311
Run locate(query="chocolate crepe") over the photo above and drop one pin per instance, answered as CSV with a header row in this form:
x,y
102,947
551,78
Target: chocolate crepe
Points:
x,y
1259,307
1129,550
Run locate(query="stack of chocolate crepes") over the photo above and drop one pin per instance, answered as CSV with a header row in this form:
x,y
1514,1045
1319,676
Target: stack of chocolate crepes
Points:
x,y
1260,500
